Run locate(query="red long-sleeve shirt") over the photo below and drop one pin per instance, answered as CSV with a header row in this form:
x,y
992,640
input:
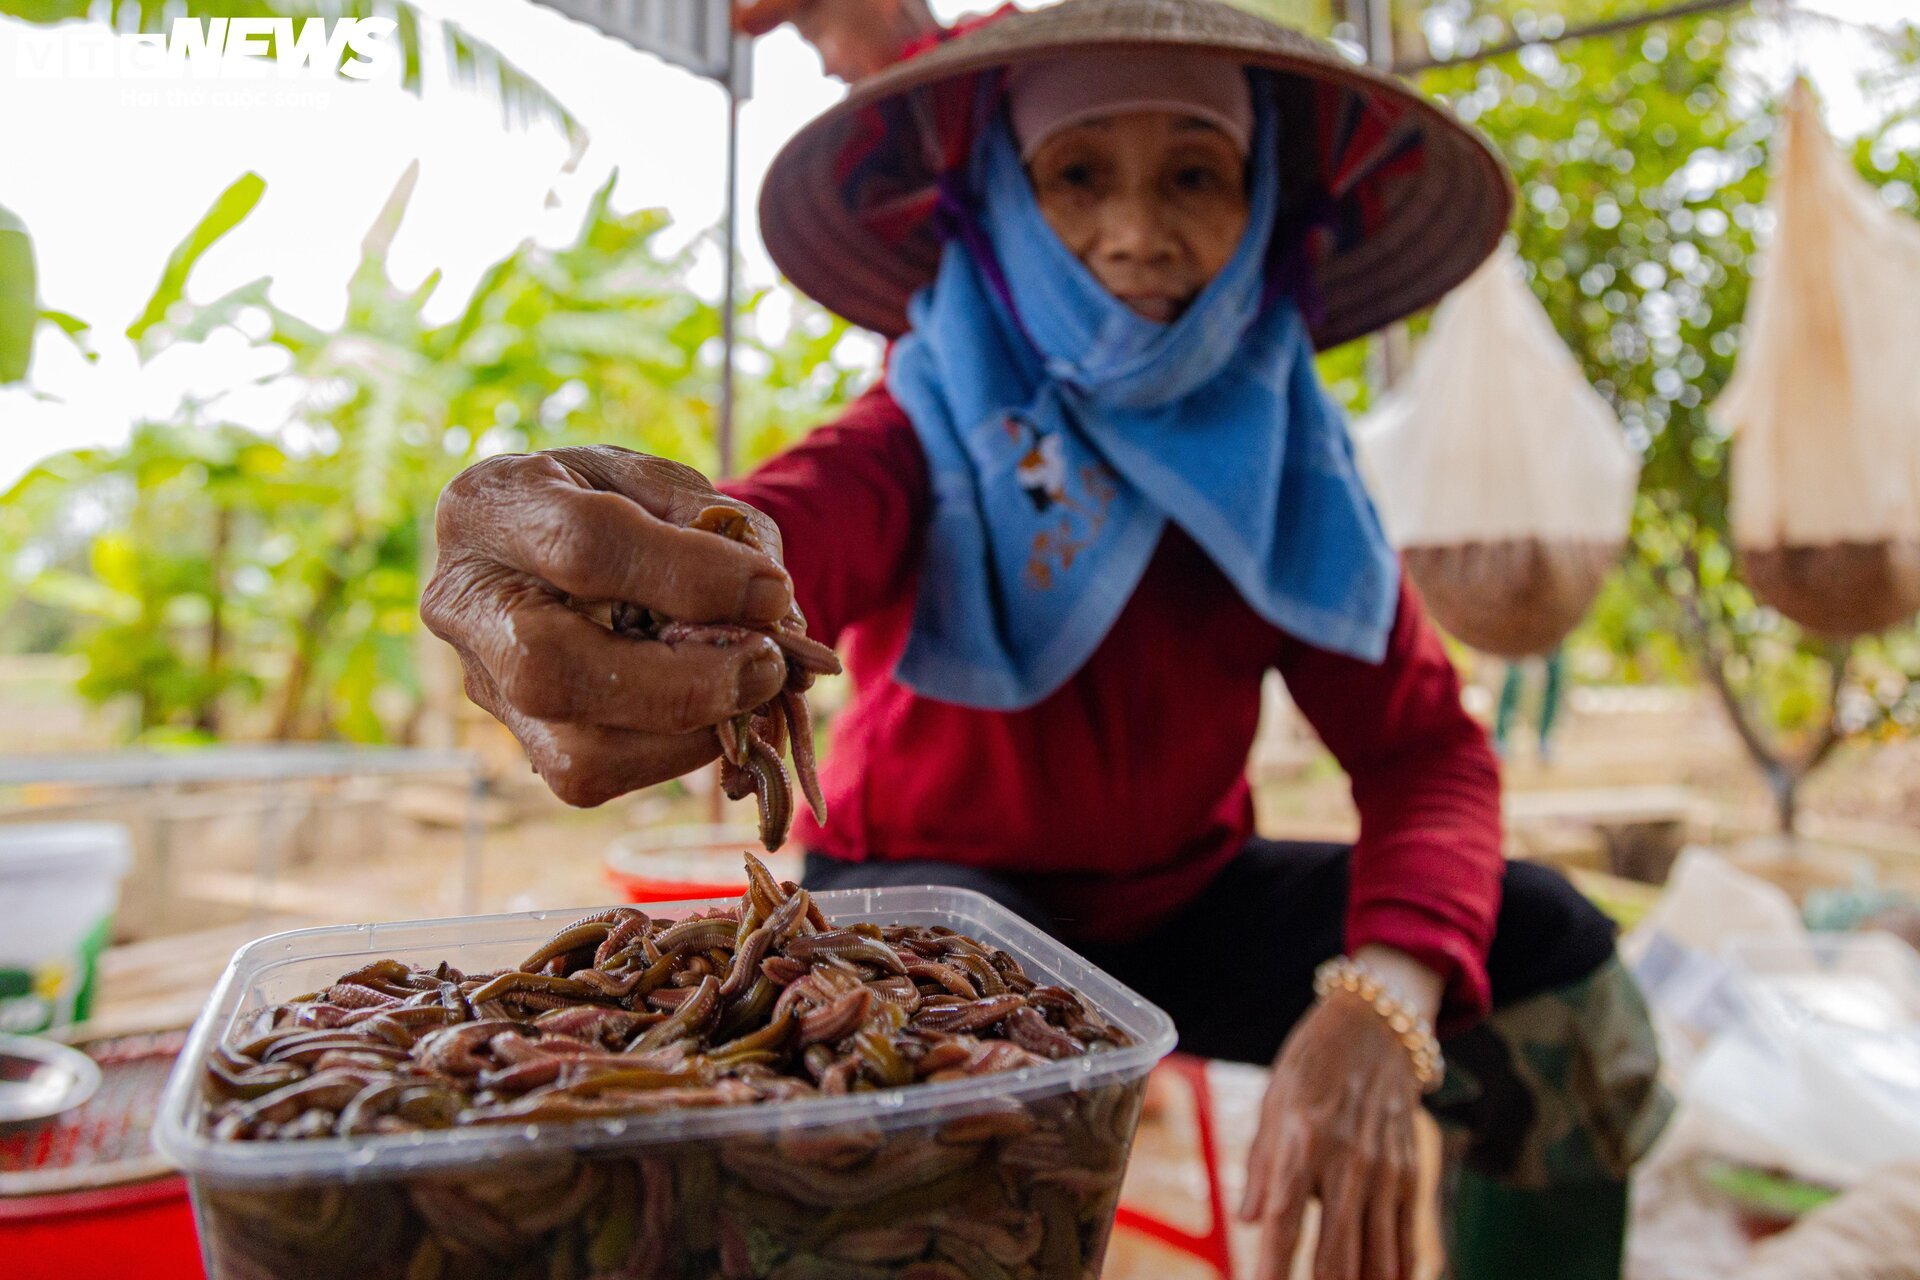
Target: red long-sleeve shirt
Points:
x,y
1118,797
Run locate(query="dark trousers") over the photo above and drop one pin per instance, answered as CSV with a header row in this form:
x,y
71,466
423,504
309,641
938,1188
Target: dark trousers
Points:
x,y
1555,1095
1269,919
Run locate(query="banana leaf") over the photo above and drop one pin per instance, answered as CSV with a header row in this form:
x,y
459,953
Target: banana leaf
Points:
x,y
19,307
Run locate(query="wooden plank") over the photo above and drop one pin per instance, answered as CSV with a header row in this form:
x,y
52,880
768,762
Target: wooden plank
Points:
x,y
1605,805
164,982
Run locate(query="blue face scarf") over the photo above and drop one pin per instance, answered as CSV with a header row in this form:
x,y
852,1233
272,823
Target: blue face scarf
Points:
x,y
1062,431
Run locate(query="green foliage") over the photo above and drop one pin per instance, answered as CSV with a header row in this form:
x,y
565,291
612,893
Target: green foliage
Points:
x,y
1640,188
1314,16
152,574
204,569
233,205
471,63
19,299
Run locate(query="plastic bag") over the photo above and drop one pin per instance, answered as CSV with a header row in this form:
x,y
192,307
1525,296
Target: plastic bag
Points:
x,y
1793,1051
1677,950
1825,401
1501,475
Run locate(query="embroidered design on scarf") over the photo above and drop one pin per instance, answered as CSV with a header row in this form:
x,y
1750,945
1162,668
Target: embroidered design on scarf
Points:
x,y
1067,524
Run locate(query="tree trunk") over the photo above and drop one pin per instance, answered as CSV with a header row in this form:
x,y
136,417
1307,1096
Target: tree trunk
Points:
x,y
206,716
1784,783
1782,772
436,717
293,694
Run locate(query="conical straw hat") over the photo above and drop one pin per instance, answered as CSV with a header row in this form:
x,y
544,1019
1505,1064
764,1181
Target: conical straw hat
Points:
x,y
1403,203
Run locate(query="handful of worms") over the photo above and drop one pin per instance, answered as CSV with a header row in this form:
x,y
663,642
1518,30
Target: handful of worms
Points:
x,y
620,1014
753,742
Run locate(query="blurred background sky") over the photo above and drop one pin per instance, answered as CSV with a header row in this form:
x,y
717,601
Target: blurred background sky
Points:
x,y
107,186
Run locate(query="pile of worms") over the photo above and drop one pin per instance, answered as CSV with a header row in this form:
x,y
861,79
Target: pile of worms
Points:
x,y
621,1015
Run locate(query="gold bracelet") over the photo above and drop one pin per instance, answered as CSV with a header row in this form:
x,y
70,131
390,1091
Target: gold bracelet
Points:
x,y
1342,973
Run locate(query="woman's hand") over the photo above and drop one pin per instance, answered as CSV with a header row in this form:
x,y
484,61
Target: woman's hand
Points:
x,y
855,37
1337,1123
525,538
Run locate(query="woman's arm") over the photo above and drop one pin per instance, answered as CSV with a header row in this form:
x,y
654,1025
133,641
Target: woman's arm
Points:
x,y
1337,1122
851,502
855,37
1427,867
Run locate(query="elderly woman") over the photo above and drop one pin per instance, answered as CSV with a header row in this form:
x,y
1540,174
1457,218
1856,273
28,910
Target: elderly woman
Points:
x,y
1098,495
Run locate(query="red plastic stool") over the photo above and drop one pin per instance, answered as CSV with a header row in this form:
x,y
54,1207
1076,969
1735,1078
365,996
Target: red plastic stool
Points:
x,y
1211,1247
685,863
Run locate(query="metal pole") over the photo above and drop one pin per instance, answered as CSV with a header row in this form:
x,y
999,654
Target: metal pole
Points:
x,y
723,435
1379,33
266,853
724,431
1387,352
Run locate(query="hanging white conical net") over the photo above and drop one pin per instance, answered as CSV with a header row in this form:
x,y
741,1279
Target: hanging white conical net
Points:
x,y
1824,404
1501,475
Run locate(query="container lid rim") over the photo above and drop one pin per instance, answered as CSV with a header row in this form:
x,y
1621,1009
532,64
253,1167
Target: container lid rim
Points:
x,y
180,1140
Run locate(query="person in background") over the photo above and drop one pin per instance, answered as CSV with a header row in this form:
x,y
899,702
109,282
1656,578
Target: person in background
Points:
x,y
1513,688
1098,494
855,38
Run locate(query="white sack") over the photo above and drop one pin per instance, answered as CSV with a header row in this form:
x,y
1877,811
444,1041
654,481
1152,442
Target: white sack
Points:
x,y
1501,474
1825,402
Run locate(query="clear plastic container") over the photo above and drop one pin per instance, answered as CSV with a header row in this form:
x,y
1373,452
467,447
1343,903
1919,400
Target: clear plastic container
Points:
x,y
1015,1173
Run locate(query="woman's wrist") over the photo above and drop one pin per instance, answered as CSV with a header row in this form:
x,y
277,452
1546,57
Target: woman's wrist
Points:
x,y
1411,983
1348,979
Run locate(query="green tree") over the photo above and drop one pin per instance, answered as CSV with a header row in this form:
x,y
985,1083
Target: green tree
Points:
x,y
219,567
145,571
19,298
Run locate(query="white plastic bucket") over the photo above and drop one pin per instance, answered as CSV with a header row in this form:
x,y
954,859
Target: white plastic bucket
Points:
x,y
59,885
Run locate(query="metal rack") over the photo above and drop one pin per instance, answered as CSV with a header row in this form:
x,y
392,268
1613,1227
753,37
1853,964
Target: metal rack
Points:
x,y
273,766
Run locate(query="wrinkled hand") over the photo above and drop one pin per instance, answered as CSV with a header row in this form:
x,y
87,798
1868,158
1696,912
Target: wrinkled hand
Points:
x,y
528,541
1337,1123
855,38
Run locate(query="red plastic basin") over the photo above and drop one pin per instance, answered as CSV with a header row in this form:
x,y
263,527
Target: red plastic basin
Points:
x,y
95,1235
